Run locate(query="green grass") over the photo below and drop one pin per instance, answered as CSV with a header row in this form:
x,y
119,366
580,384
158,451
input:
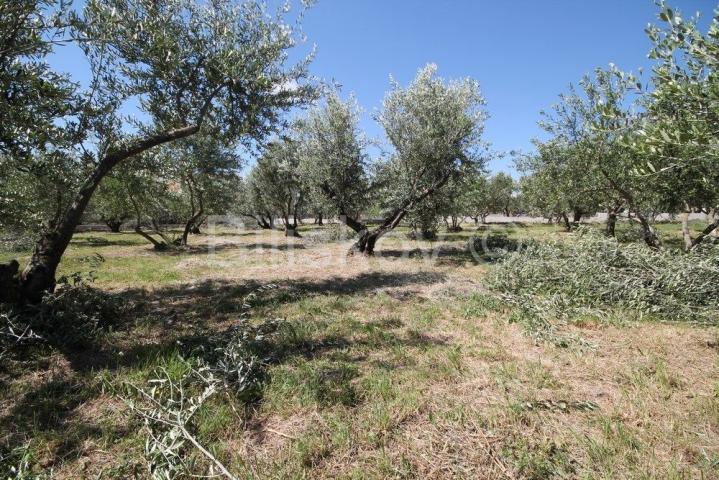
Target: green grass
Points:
x,y
383,368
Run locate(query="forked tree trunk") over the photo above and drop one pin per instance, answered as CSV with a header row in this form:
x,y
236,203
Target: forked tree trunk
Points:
x,y
38,277
192,222
368,239
291,228
567,224
650,236
291,231
157,245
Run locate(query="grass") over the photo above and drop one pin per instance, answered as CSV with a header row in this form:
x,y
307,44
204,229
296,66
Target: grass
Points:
x,y
399,366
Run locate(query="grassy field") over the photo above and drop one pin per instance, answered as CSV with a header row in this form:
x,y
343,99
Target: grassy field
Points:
x,y
400,366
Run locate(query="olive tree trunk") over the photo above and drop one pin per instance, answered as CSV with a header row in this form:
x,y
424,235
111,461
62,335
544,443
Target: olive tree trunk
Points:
x,y
38,276
368,239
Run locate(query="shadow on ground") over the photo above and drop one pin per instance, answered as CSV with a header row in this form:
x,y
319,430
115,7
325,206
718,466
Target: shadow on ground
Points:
x,y
50,408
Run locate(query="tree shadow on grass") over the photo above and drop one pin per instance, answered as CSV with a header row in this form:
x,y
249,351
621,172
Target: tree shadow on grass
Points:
x,y
220,247
449,255
92,241
50,409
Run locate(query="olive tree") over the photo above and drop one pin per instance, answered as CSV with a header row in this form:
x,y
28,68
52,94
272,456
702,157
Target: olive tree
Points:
x,y
277,182
558,184
217,66
592,126
111,204
676,144
250,202
435,129
477,200
333,162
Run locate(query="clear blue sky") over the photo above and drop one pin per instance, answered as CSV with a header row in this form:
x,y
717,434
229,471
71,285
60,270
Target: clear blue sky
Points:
x,y
523,52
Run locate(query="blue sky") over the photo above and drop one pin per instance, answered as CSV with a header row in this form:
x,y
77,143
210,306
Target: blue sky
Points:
x,y
523,52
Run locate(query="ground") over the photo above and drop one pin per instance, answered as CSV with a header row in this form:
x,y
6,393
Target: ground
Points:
x,y
401,366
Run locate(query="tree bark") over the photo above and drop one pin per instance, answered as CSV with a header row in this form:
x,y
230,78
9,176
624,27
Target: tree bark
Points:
x,y
650,236
160,246
8,281
612,214
567,224
196,213
368,239
710,229
577,217
38,276
611,229
114,225
686,233
319,219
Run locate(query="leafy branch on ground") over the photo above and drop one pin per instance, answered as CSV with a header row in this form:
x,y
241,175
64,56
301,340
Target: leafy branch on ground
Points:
x,y
551,283
232,362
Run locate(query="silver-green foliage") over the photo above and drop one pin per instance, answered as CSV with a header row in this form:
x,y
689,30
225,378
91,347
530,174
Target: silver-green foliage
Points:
x,y
231,363
602,275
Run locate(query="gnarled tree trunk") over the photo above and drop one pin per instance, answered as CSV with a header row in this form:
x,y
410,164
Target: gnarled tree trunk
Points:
x,y
648,233
368,239
567,224
38,276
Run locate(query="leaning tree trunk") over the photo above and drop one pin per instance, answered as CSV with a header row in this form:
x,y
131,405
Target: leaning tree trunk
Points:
x,y
710,229
650,236
38,277
368,239
648,233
